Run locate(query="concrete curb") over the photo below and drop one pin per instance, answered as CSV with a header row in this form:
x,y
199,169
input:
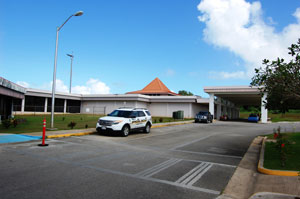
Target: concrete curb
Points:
x,y
261,168
241,184
92,132
70,134
269,195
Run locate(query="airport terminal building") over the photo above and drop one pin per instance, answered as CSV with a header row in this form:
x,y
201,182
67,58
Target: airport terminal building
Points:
x,y
156,97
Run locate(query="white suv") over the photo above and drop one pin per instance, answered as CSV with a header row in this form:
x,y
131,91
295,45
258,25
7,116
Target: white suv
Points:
x,y
125,120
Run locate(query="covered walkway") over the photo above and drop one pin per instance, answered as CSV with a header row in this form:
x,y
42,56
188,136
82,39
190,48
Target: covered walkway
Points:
x,y
228,99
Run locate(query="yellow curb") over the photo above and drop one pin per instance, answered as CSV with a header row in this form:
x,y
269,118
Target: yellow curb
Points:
x,y
70,134
88,133
164,125
261,168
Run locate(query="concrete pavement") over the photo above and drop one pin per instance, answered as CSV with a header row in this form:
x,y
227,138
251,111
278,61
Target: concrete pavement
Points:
x,y
246,180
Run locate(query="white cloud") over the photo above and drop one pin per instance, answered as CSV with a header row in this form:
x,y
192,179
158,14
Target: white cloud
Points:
x,y
24,84
93,86
227,75
238,26
60,86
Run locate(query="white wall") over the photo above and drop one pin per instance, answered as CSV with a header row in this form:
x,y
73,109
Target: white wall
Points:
x,y
160,109
105,107
167,109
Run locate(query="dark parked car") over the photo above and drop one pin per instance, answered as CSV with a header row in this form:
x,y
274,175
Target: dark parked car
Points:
x,y
204,116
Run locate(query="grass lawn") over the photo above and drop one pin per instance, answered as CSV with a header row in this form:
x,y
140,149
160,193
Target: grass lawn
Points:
x,y
167,119
34,123
290,116
272,155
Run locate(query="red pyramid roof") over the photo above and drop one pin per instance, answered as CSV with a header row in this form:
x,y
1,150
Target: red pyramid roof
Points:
x,y
155,87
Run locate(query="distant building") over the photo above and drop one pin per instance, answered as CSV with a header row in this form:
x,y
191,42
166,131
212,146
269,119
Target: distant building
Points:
x,y
155,88
10,93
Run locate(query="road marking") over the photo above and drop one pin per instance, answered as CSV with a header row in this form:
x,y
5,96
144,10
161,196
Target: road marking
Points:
x,y
147,148
157,168
199,175
192,142
195,174
211,154
78,164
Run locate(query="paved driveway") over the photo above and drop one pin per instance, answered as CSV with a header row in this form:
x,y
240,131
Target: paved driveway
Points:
x,y
187,161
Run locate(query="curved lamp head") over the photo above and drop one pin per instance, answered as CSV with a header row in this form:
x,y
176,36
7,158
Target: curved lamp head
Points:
x,y
79,13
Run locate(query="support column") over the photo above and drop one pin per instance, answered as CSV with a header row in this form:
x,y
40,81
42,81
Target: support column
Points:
x,y
219,107
264,111
212,104
23,105
46,105
65,106
12,107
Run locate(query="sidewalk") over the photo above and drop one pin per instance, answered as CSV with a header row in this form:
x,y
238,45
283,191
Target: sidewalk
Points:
x,y
79,132
247,182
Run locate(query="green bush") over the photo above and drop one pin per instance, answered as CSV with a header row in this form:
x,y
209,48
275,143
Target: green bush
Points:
x,y
15,122
6,123
72,124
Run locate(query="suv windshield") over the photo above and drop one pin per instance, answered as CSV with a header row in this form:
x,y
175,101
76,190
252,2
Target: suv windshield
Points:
x,y
203,113
119,113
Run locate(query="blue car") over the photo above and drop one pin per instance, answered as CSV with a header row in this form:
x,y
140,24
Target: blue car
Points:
x,y
253,118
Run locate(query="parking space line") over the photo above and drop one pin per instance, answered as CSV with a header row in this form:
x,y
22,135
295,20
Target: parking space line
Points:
x,y
192,142
210,154
185,177
199,175
157,168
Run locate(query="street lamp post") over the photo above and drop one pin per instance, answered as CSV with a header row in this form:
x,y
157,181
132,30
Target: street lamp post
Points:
x,y
71,56
55,61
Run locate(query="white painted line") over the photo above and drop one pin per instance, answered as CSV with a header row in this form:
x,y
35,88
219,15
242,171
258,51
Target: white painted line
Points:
x,y
191,177
155,167
159,170
189,173
199,175
211,154
210,191
192,142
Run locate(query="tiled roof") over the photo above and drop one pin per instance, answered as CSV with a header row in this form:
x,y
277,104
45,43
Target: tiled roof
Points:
x,y
155,87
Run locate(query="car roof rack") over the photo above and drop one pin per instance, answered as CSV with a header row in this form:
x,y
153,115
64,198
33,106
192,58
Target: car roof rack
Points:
x,y
126,107
140,108
132,108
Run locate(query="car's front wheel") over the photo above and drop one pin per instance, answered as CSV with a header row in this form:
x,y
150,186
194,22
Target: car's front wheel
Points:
x,y
147,128
125,131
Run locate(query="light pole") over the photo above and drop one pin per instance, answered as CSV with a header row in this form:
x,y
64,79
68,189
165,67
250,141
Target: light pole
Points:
x,y
72,56
55,61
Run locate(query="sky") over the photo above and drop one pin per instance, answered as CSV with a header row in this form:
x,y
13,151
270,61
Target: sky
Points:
x,y
121,46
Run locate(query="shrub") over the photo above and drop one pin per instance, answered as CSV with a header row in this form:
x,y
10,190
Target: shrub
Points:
x,y
15,122
72,124
63,118
6,123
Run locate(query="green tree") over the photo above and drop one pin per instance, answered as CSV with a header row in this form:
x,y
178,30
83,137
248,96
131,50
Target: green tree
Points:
x,y
281,81
185,93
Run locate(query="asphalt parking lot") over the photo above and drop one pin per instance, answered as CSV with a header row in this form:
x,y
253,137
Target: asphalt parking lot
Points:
x,y
186,161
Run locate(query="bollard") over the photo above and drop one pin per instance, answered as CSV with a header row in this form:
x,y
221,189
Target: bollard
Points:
x,y
44,133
